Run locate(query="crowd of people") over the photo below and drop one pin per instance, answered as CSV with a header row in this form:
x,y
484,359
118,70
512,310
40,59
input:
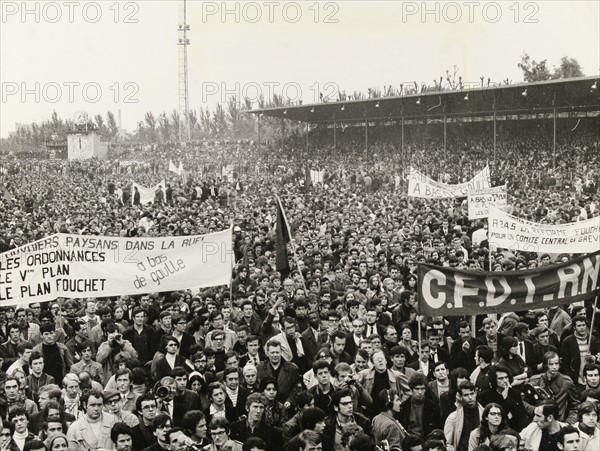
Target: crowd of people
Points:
x,y
325,357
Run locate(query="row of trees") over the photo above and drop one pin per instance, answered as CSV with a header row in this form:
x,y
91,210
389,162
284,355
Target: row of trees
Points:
x,y
32,138
229,121
539,71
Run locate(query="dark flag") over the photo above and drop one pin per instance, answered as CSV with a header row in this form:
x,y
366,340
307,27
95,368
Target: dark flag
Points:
x,y
283,237
307,179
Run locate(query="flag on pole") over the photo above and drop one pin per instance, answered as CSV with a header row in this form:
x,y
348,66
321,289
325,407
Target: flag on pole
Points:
x,y
180,169
283,237
6,195
307,178
173,168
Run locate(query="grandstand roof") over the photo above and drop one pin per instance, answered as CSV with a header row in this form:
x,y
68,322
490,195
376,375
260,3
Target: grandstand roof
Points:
x,y
572,94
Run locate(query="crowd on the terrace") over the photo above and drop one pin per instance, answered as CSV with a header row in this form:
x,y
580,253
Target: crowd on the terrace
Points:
x,y
327,357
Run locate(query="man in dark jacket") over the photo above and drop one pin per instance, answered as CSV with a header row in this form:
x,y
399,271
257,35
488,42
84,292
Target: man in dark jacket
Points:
x,y
313,419
462,353
285,373
344,417
571,354
253,426
420,402
510,399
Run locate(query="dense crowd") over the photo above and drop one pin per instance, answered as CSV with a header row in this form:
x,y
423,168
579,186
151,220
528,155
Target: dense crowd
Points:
x,y
328,356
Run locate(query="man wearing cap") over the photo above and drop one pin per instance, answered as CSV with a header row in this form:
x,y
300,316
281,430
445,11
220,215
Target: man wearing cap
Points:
x,y
112,404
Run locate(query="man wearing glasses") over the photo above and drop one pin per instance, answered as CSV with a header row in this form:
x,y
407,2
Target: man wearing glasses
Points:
x,y
219,431
162,425
112,399
344,416
147,409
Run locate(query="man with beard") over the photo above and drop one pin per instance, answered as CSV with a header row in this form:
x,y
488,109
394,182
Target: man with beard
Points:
x,y
121,435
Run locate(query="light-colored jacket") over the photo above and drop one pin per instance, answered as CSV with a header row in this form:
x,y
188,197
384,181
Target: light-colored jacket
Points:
x,y
589,442
106,357
286,350
531,436
453,427
229,445
397,381
474,439
386,427
81,436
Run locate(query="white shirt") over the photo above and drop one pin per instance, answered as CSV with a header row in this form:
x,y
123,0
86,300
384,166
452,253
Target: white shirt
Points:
x,y
424,367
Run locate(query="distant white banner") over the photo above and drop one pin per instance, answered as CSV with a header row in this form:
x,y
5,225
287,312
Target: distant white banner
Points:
x,y
75,266
317,176
147,194
509,232
479,201
419,185
227,171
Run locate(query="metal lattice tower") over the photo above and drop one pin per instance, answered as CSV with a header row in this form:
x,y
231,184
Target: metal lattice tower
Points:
x,y
184,96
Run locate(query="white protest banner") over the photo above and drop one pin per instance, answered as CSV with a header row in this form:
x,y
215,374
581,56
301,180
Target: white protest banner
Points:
x,y
227,171
419,185
480,200
76,266
317,176
173,168
147,194
509,232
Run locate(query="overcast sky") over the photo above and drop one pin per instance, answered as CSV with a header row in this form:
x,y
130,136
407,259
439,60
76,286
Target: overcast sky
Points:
x,y
95,57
